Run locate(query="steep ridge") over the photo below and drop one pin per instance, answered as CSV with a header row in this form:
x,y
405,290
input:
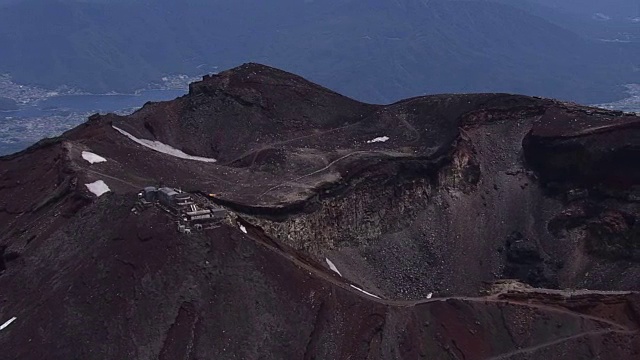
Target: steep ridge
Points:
x,y
275,105
356,231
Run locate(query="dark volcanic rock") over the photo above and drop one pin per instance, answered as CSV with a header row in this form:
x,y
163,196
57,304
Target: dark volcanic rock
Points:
x,y
408,202
525,262
585,148
614,234
3,266
521,250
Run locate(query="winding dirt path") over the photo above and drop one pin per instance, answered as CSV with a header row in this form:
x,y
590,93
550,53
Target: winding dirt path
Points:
x,y
137,187
328,166
533,349
255,152
256,234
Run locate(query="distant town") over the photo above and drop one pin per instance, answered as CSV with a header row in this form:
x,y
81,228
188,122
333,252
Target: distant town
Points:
x,y
25,94
30,123
630,104
28,94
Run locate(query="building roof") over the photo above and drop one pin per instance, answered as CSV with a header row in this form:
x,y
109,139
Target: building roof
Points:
x,y
182,196
168,191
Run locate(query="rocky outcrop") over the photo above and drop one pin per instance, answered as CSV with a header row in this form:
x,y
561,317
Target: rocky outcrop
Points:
x,y
585,148
525,261
614,234
606,231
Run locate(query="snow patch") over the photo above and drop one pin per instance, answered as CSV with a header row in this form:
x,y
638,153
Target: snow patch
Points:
x,y
243,229
332,266
92,158
164,148
4,326
378,139
98,188
368,293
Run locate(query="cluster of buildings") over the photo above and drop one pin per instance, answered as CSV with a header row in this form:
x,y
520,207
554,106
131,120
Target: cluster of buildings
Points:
x,y
191,212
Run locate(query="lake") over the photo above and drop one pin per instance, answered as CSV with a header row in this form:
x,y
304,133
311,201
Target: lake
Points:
x,y
92,103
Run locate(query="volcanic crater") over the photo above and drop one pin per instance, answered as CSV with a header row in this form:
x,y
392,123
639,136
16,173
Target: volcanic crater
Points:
x,y
477,226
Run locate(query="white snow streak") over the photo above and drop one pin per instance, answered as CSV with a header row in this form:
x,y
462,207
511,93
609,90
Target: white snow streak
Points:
x,y
368,293
378,139
98,188
92,158
332,266
243,229
4,326
164,148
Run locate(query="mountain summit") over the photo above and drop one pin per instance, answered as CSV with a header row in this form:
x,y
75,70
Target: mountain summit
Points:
x,y
264,216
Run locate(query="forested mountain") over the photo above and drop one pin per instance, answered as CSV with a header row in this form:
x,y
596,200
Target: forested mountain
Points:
x,y
611,8
376,50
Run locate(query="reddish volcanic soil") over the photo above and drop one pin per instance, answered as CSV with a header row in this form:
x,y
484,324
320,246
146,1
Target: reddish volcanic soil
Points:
x,y
481,226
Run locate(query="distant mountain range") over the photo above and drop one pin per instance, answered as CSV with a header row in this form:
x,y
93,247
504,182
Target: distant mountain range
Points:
x,y
377,51
617,20
610,8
